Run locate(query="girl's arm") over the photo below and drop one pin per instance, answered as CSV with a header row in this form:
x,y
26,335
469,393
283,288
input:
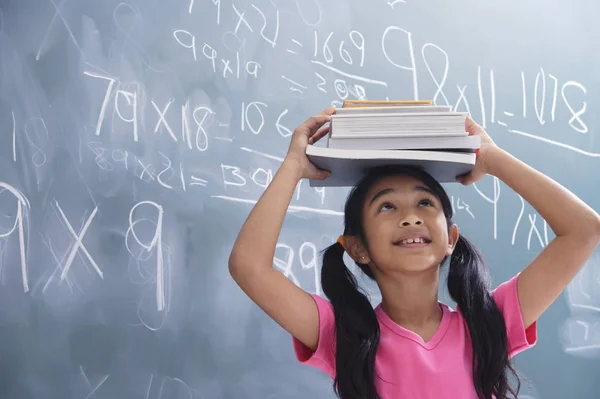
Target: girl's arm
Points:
x,y
251,259
576,225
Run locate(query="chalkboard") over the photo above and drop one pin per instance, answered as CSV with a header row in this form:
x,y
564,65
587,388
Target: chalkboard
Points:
x,y
137,135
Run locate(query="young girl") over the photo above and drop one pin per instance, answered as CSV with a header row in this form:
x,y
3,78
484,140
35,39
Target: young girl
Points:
x,y
399,231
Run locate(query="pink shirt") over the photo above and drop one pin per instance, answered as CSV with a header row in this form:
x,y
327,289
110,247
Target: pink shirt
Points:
x,y
408,367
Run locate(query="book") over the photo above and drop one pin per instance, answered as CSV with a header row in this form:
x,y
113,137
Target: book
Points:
x,y
385,103
397,124
368,133
347,166
440,143
392,109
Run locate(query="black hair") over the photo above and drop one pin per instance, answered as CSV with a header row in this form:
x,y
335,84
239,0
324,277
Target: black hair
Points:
x,y
356,325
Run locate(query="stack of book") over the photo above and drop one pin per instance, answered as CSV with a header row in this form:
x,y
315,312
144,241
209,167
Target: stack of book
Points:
x,y
370,133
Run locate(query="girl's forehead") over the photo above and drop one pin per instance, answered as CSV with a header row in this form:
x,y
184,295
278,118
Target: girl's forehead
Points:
x,y
397,183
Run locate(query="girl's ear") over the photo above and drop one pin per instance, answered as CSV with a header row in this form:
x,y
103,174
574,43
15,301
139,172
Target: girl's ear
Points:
x,y
453,236
356,250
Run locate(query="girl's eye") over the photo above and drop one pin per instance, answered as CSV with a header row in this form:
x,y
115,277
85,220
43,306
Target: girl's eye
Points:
x,y
426,202
386,207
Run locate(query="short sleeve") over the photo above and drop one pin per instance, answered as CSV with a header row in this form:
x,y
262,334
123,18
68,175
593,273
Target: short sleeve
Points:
x,y
507,300
323,357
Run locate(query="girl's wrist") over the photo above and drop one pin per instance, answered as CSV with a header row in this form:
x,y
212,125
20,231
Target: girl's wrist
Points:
x,y
492,158
292,167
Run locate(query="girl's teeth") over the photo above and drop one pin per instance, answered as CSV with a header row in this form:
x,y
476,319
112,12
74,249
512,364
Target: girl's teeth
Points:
x,y
411,240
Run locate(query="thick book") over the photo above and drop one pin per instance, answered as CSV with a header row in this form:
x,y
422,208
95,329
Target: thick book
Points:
x,y
398,124
392,109
348,166
440,143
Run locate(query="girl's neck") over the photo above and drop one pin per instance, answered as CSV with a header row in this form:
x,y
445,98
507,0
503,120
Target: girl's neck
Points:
x,y
412,300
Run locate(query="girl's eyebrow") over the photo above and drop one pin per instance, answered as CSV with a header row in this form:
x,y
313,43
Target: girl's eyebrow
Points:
x,y
425,189
391,190
380,193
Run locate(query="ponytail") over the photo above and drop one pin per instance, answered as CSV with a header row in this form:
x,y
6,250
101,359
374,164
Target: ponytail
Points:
x,y
356,328
469,287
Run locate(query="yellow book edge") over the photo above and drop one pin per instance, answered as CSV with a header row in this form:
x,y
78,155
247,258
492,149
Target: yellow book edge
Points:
x,y
370,103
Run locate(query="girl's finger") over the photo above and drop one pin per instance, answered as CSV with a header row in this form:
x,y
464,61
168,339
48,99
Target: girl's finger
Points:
x,y
463,179
315,122
319,134
328,111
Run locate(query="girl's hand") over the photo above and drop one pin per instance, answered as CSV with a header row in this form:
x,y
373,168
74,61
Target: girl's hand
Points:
x,y
305,134
487,146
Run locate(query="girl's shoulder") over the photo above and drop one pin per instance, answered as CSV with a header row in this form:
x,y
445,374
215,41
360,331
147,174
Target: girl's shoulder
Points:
x,y
506,297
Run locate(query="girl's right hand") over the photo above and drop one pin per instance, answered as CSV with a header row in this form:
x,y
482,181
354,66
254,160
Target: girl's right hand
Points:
x,y
305,134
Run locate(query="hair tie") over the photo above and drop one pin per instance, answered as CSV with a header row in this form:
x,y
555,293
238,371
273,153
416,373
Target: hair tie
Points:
x,y
341,241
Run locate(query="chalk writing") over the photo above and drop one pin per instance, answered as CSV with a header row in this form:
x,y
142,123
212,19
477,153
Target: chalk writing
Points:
x,y
21,224
132,101
107,96
584,290
14,133
349,75
234,176
493,201
252,118
255,106
412,67
57,13
532,227
217,3
358,42
174,388
296,44
307,256
281,129
313,5
155,243
570,89
459,204
161,119
392,3
39,130
188,41
162,172
272,41
439,84
57,269
78,245
200,117
87,381
291,208
167,164
581,337
168,387
539,103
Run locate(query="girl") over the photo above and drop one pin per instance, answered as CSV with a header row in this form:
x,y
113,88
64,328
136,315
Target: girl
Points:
x,y
399,231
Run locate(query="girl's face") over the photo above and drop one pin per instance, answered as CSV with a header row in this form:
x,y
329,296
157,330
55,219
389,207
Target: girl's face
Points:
x,y
405,227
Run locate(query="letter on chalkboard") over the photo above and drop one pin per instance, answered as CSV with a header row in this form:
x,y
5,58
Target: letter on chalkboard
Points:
x,y
413,65
155,243
22,213
78,243
106,98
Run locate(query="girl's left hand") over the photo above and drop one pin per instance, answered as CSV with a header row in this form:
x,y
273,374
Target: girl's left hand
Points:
x,y
487,145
